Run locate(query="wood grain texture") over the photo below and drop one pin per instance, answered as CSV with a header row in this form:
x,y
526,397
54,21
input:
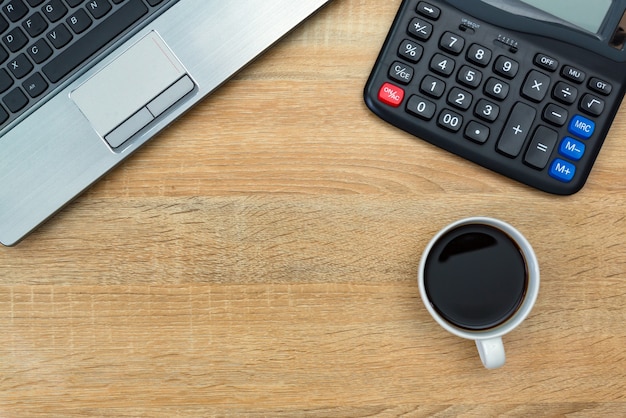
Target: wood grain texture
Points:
x,y
259,258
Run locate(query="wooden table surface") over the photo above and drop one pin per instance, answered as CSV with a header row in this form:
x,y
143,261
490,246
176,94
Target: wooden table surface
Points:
x,y
259,258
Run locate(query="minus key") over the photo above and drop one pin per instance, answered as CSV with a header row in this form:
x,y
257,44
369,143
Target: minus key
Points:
x,y
555,115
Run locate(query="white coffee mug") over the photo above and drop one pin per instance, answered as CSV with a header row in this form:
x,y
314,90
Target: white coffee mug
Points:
x,y
488,341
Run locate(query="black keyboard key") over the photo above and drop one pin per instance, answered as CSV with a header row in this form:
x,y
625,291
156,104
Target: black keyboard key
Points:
x,y
34,3
79,21
98,8
39,51
3,115
35,85
4,55
154,2
20,66
4,25
15,39
15,100
35,25
95,39
59,36
54,10
6,80
73,3
15,10
516,130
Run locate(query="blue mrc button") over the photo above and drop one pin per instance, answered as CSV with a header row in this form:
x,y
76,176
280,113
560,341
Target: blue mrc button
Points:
x,y
582,127
562,170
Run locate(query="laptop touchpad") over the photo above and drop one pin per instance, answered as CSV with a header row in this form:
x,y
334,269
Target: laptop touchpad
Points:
x,y
132,91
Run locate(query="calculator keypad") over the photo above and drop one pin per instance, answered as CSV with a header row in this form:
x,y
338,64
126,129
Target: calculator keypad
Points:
x,y
537,112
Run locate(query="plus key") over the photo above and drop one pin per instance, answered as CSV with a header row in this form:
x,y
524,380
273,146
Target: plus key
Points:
x,y
516,130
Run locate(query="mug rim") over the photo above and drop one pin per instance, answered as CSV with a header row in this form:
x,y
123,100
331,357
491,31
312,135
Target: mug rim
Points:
x,y
530,297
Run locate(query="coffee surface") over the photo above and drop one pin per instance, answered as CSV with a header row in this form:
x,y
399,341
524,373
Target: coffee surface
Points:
x,y
475,277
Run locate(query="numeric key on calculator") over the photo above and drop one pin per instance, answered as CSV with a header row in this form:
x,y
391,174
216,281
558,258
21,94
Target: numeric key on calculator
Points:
x,y
496,89
442,65
487,110
450,120
479,55
460,99
506,67
433,86
452,43
420,107
469,77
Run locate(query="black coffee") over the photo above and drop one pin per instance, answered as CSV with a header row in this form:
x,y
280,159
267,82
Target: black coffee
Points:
x,y
475,277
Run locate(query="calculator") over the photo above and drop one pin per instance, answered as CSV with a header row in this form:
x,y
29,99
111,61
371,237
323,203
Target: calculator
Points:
x,y
528,89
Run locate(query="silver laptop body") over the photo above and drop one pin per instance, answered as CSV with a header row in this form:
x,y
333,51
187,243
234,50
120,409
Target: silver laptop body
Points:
x,y
110,108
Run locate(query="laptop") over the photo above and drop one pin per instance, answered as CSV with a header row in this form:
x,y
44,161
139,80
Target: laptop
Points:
x,y
84,83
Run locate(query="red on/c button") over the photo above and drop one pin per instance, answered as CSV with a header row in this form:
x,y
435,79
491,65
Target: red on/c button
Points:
x,y
391,95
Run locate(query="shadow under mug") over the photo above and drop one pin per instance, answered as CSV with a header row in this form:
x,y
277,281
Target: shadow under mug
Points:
x,y
476,257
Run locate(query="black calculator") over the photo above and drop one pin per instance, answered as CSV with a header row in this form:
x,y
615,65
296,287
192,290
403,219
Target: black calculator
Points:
x,y
528,89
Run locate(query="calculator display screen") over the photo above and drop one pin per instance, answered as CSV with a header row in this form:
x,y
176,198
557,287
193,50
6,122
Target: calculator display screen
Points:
x,y
582,13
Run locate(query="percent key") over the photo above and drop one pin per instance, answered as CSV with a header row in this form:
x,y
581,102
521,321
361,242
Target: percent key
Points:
x,y
411,51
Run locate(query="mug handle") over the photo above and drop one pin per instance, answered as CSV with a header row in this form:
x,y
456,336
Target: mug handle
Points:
x,y
491,352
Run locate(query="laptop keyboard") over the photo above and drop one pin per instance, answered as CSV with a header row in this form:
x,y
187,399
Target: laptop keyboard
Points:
x,y
43,42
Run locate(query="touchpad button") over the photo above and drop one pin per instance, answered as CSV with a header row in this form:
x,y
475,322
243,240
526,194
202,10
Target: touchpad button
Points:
x,y
133,90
